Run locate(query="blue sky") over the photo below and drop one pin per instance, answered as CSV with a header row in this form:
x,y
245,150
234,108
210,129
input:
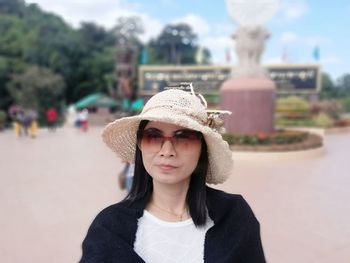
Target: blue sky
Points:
x,y
296,29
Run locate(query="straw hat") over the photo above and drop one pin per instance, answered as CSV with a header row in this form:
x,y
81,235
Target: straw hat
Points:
x,y
181,108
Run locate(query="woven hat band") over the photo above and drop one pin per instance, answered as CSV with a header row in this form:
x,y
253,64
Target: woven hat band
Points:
x,y
201,118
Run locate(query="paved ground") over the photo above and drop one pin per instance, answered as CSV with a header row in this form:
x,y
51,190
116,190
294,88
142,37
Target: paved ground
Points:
x,y
53,186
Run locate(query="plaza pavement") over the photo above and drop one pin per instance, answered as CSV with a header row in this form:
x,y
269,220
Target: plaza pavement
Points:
x,y
53,186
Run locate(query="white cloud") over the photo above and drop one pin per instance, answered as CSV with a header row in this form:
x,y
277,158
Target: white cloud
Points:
x,y
331,60
293,9
152,28
218,47
224,29
289,37
217,37
316,41
272,60
220,42
102,12
198,24
309,41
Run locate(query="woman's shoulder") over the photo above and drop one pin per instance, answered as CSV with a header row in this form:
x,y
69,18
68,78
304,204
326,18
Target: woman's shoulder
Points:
x,y
216,194
121,211
227,203
111,234
115,221
124,207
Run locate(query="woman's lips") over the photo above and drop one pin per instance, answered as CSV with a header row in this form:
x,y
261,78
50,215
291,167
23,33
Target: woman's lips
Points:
x,y
165,167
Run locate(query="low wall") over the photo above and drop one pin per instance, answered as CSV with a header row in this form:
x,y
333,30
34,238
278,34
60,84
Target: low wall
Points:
x,y
291,155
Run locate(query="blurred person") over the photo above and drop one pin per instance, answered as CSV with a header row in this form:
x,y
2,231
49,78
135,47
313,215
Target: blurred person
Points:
x,y
33,127
16,114
170,214
126,176
129,176
83,118
71,116
77,120
26,121
51,118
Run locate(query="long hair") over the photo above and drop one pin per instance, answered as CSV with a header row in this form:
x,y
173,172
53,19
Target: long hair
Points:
x,y
142,185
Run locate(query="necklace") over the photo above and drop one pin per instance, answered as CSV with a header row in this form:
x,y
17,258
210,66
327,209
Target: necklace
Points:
x,y
178,216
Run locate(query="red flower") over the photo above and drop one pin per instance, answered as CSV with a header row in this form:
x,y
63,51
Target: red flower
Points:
x,y
261,136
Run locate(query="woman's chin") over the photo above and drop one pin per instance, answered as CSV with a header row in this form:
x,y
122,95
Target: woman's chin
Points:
x,y
168,178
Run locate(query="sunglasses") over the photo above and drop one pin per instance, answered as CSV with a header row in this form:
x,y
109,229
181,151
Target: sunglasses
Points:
x,y
152,139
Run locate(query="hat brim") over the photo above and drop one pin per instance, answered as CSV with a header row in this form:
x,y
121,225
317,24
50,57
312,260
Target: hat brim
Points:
x,y
120,136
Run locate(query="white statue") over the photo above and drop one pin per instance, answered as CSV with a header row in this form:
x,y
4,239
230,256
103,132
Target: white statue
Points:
x,y
250,42
250,36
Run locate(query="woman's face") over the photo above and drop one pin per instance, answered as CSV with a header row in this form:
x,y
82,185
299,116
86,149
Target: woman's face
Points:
x,y
170,153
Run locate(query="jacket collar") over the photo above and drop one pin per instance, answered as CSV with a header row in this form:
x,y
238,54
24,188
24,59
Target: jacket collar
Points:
x,y
217,205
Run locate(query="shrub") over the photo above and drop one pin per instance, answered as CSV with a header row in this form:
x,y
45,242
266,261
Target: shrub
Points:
x,y
346,104
292,104
278,137
2,119
323,120
3,116
296,115
341,123
292,123
332,108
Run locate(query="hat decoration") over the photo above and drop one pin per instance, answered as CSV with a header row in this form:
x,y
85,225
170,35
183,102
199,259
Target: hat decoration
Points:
x,y
214,120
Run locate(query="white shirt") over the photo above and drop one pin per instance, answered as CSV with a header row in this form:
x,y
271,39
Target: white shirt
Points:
x,y
83,115
159,241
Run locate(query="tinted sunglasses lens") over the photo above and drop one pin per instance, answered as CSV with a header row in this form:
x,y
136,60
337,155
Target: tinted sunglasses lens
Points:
x,y
151,140
185,139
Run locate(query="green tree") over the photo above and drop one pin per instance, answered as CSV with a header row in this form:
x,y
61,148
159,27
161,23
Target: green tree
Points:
x,y
5,99
96,37
328,89
94,73
176,43
12,35
13,7
37,88
128,30
344,85
83,57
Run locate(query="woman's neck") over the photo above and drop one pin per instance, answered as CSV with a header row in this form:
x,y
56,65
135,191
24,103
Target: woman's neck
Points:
x,y
168,202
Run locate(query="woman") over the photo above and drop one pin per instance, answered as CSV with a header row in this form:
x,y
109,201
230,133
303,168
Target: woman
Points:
x,y
170,215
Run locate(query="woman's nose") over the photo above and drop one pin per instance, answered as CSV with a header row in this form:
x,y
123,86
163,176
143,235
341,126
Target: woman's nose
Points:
x,y
167,149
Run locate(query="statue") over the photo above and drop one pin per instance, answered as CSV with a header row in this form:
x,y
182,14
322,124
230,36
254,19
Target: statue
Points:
x,y
250,36
250,42
249,93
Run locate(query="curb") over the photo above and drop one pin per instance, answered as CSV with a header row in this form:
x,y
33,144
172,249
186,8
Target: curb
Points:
x,y
268,156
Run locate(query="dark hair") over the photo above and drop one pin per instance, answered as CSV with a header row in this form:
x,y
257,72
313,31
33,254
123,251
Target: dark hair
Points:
x,y
142,185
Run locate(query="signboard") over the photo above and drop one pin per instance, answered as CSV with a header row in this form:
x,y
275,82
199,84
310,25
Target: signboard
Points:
x,y
296,78
208,79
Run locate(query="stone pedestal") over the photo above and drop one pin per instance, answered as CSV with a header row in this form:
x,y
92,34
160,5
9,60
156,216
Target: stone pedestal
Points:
x,y
251,101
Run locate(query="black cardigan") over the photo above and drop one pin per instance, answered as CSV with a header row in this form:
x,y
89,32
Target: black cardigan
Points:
x,y
235,236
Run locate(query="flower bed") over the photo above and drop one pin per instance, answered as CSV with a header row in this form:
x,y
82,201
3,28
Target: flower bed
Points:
x,y
284,140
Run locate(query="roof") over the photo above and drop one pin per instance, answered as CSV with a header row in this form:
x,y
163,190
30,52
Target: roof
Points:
x,y
96,100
